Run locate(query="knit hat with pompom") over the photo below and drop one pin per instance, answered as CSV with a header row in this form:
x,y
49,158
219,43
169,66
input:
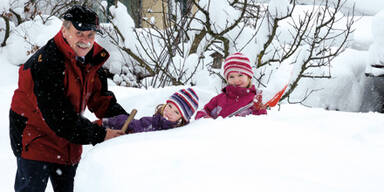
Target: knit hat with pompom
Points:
x,y
186,101
237,62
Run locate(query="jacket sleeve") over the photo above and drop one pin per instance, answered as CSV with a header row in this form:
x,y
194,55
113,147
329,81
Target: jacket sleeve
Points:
x,y
103,102
206,112
56,109
154,123
201,114
259,111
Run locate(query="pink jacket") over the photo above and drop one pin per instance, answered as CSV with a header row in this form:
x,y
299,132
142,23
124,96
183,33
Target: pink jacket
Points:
x,y
233,101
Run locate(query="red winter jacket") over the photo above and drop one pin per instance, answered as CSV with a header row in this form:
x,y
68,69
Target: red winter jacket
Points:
x,y
233,101
46,122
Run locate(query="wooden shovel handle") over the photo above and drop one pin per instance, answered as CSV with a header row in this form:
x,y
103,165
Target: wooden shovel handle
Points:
x,y
129,119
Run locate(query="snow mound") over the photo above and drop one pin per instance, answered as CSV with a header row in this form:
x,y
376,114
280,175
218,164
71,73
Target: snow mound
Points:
x,y
295,149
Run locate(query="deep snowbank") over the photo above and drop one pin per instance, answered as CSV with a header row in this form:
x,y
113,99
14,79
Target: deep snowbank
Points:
x,y
295,149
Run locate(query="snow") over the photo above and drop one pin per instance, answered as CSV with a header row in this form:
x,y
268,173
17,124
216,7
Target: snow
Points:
x,y
362,34
220,12
28,34
121,18
8,82
279,8
376,51
362,7
4,5
280,79
366,7
293,148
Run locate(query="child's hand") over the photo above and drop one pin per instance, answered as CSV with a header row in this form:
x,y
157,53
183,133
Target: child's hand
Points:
x,y
258,101
202,114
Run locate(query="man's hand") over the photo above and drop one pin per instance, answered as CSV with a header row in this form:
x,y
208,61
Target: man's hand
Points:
x,y
113,133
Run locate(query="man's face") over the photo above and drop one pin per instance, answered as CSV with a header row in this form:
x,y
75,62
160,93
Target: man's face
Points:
x,y
80,41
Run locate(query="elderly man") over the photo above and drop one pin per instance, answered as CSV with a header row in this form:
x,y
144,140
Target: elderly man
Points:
x,y
55,86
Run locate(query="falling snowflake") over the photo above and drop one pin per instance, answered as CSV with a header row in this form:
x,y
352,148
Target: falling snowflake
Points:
x,y
59,172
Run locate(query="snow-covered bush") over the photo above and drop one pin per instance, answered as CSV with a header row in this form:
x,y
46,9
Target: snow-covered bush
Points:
x,y
273,34
376,50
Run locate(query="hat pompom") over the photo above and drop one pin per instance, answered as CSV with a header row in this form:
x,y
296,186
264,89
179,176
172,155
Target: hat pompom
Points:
x,y
237,62
186,101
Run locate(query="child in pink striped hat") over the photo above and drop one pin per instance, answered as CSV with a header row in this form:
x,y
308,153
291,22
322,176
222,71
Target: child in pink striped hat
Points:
x,y
239,97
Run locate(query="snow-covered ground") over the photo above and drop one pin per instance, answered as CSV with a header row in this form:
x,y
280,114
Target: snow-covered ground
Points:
x,y
295,149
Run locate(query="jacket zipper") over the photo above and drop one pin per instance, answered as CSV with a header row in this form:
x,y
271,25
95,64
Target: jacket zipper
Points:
x,y
26,147
84,90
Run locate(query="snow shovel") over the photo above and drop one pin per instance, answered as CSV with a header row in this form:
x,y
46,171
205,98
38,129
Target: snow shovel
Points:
x,y
129,119
276,98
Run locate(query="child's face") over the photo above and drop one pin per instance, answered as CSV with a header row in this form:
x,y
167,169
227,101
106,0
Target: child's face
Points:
x,y
171,113
238,79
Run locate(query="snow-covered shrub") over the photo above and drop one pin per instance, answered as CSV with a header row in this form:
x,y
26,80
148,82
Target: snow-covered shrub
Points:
x,y
274,34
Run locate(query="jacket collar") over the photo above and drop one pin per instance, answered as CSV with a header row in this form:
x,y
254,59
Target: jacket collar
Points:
x,y
96,56
232,91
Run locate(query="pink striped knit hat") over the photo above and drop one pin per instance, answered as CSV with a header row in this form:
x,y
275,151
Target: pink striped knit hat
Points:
x,y
237,62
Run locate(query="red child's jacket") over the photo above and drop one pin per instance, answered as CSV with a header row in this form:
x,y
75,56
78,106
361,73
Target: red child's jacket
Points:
x,y
233,101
